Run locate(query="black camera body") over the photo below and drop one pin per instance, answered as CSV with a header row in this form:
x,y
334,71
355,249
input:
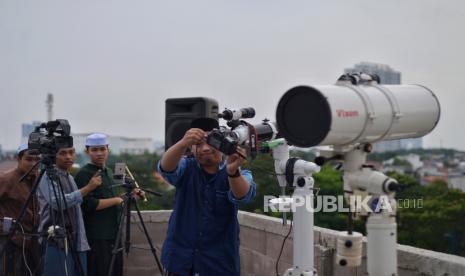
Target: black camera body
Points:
x,y
48,138
241,133
222,140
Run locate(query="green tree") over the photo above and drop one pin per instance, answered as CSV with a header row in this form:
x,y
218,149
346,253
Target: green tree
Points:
x,y
434,220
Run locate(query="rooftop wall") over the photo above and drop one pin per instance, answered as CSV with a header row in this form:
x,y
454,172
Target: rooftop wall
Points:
x,y
261,239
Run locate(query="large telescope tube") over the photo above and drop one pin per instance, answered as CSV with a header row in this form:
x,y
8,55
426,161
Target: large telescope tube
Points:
x,y
339,115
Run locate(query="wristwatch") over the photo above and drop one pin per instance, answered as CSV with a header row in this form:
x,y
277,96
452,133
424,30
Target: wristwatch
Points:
x,y
236,174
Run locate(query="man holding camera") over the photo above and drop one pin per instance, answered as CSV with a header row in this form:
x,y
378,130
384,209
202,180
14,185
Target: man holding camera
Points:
x,y
203,231
13,195
60,200
101,208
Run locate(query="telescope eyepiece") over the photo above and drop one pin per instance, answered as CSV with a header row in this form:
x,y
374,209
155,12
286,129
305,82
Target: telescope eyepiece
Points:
x,y
236,114
391,185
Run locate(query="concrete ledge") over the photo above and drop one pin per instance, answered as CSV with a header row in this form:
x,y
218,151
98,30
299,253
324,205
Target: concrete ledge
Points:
x,y
429,262
261,240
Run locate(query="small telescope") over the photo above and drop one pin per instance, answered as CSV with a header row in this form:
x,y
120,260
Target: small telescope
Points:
x,y
237,113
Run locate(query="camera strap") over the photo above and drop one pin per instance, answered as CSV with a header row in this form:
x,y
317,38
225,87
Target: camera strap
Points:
x,y
253,140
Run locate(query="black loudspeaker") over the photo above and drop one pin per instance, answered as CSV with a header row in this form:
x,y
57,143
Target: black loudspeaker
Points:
x,y
181,111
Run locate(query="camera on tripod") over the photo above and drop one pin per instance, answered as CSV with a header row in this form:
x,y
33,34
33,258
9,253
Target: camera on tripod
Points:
x,y
240,132
49,137
121,178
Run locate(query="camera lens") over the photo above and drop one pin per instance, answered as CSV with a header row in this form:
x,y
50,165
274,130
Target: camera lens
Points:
x,y
248,112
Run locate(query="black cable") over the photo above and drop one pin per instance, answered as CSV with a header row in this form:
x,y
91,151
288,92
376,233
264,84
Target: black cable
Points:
x,y
350,223
282,248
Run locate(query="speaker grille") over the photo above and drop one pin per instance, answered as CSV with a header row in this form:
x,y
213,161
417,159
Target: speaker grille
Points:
x,y
180,112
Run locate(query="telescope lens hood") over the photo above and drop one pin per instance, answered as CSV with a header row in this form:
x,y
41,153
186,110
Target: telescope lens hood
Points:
x,y
303,116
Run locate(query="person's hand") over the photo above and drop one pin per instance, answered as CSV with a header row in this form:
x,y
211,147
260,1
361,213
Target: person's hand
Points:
x,y
138,194
96,180
193,136
235,161
120,200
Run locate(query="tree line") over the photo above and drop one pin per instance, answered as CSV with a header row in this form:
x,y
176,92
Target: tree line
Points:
x,y
436,222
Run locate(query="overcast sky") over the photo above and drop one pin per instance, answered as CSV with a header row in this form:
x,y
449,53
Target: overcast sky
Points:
x,y
112,64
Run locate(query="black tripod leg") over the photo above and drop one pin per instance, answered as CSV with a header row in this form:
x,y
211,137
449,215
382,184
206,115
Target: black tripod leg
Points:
x,y
127,242
72,246
14,227
149,240
116,248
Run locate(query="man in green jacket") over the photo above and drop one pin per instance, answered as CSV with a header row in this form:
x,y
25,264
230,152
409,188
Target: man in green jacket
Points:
x,y
101,209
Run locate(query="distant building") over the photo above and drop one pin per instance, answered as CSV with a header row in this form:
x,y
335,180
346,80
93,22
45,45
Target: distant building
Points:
x,y
159,147
414,160
457,182
118,144
394,145
406,164
387,75
26,129
413,143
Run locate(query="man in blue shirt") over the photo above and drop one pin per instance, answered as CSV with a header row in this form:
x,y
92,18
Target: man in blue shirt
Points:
x,y
203,231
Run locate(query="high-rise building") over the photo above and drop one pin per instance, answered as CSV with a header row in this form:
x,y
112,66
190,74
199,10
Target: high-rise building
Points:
x,y
387,75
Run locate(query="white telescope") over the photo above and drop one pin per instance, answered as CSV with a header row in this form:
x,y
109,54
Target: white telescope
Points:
x,y
349,116
346,114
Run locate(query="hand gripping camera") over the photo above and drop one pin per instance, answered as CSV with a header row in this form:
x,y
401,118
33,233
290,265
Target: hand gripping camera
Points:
x,y
240,132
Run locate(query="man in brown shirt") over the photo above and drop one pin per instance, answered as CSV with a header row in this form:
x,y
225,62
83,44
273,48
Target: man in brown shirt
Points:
x,y
13,195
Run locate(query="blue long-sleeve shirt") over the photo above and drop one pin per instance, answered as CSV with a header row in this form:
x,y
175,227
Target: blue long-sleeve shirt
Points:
x,y
50,201
203,230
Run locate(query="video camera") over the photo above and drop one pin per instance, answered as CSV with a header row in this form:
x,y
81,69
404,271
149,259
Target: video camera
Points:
x,y
49,137
240,132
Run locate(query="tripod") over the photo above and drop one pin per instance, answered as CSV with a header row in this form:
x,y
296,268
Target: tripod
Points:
x,y
49,169
297,173
125,220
